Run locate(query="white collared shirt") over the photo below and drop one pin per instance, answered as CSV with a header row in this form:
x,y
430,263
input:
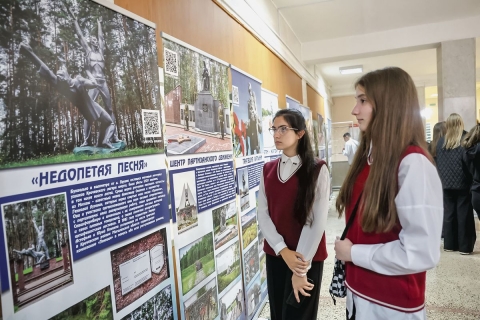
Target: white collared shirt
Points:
x,y
310,236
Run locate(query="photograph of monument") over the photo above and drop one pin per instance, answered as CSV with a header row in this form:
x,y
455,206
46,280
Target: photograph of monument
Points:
x,y
243,188
185,200
228,266
225,226
196,262
81,89
38,248
269,108
203,304
232,304
247,116
159,307
96,306
251,264
253,296
261,239
249,227
139,267
197,110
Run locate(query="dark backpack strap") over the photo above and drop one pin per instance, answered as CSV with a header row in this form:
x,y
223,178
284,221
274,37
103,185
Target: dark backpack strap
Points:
x,y
352,217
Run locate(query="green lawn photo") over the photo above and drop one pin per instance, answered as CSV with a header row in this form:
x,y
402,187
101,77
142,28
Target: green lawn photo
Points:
x,y
249,234
225,279
64,158
197,262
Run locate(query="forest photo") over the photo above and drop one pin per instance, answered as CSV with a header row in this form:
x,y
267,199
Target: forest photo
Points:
x,y
159,307
38,243
97,306
196,262
78,82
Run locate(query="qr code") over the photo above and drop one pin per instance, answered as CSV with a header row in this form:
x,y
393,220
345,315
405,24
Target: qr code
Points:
x,y
171,62
235,97
151,124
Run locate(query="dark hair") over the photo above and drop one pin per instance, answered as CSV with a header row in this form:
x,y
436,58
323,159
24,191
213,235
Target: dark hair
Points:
x,y
346,134
306,178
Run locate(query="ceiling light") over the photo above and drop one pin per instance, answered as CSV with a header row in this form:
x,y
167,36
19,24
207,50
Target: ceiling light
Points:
x,y
434,95
351,70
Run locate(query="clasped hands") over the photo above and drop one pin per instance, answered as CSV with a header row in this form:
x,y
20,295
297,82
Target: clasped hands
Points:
x,y
296,262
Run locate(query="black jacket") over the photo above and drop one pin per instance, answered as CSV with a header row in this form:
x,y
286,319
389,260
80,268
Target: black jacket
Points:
x,y
452,167
472,157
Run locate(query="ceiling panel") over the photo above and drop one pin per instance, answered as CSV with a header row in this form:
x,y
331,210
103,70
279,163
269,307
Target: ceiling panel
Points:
x,y
341,18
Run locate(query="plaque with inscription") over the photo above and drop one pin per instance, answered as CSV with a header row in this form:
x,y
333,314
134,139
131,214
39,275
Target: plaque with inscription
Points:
x,y
157,260
134,272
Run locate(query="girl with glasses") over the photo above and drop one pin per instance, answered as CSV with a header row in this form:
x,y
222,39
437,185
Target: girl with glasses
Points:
x,y
292,214
395,234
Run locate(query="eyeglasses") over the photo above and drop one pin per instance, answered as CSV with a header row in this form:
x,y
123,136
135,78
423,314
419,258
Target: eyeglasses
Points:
x,y
281,130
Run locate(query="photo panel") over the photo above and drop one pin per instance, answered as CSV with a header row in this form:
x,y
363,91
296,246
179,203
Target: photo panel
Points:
x,y
254,296
228,266
251,264
84,47
159,307
139,267
232,303
96,306
247,114
269,109
186,209
38,240
203,304
249,228
225,225
197,109
196,262
243,188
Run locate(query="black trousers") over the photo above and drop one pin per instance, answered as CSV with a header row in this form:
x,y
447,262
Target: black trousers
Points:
x,y
458,222
279,282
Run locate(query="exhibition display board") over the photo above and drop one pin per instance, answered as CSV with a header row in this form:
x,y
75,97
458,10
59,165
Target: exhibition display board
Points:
x,y
248,151
83,196
202,183
122,182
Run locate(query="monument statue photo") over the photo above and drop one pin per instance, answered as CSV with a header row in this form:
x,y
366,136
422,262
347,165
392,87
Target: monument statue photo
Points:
x,y
196,101
79,81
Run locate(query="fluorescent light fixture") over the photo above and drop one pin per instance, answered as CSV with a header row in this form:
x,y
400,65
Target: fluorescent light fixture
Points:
x,y
351,70
434,95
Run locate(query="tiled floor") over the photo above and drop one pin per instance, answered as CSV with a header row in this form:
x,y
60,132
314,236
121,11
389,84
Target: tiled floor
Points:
x,y
453,287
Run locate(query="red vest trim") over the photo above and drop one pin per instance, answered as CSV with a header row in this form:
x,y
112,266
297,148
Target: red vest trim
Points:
x,y
281,201
405,293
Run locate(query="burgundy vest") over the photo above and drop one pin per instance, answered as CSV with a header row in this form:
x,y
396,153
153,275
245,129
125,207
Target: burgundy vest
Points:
x,y
405,293
281,201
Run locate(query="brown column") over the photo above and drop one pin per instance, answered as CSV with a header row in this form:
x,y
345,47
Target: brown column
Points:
x,y
12,281
65,256
21,279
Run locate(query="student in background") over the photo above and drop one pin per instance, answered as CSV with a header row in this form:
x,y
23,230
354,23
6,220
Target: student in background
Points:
x,y
350,148
292,214
439,130
458,224
395,234
471,143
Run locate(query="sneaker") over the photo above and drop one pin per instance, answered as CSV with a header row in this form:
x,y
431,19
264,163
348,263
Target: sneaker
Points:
x,y
465,253
447,250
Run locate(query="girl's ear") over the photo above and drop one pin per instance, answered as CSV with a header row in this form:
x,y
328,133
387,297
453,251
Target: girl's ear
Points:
x,y
300,134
